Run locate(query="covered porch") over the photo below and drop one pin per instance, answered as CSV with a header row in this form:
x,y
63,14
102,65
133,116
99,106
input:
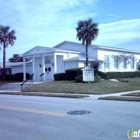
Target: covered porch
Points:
x,y
43,66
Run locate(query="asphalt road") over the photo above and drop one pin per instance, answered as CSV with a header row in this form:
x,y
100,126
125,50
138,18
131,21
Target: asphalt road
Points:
x,y
46,118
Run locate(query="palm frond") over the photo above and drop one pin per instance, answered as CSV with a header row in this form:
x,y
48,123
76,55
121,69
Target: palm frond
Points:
x,y
7,37
87,31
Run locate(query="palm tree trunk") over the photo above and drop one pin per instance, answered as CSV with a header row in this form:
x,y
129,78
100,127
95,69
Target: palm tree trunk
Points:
x,y
86,55
4,56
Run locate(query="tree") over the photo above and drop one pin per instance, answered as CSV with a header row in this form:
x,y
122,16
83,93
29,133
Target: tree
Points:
x,y
18,58
125,59
7,37
132,60
87,31
117,59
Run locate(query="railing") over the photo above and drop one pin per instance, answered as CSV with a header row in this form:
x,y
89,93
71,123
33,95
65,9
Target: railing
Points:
x,y
41,76
31,78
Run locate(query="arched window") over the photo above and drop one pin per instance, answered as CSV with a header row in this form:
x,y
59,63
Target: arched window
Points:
x,y
47,61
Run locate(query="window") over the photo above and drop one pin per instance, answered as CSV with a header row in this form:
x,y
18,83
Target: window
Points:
x,y
47,61
106,59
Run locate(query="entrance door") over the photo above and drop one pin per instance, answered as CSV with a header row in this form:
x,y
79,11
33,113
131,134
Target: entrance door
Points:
x,y
48,68
48,72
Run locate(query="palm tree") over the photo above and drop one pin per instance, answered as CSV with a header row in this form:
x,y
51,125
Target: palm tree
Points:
x,y
87,31
7,37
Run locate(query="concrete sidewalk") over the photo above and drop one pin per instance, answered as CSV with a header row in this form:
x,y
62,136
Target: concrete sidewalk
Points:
x,y
111,94
16,87
91,97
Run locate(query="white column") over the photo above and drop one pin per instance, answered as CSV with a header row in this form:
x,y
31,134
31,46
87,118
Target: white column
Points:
x,y
55,64
24,69
43,66
33,67
104,67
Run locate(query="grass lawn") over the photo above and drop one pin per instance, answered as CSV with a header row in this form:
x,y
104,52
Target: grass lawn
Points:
x,y
133,94
103,87
121,98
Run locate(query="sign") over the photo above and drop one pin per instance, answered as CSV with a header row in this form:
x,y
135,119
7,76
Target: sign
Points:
x,y
88,74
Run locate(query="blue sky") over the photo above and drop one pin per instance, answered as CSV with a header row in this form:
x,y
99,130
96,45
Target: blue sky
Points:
x,y
49,22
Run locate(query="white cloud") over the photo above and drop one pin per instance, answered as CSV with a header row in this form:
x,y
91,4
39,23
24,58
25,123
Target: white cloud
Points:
x,y
48,22
120,32
42,22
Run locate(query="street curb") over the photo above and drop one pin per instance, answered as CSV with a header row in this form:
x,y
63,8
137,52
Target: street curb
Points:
x,y
44,94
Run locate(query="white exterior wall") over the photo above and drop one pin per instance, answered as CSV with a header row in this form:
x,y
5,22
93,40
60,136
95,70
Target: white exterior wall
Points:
x,y
93,53
81,64
73,47
80,48
29,69
60,64
69,55
37,50
70,64
17,69
60,57
38,69
102,53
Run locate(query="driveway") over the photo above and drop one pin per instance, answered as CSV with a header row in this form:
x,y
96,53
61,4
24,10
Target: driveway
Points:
x,y
10,87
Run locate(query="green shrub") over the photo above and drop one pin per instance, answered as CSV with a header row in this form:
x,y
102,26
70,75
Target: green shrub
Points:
x,y
103,75
115,75
79,78
72,73
60,76
95,72
10,77
97,79
0,77
19,76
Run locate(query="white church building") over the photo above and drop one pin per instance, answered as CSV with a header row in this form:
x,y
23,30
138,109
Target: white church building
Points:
x,y
46,61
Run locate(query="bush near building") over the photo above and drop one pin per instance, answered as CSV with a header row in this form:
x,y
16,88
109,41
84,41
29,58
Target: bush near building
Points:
x,y
60,76
19,76
76,74
10,77
115,75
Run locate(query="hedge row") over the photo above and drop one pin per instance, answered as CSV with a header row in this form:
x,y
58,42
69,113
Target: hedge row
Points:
x,y
19,76
8,77
60,76
71,74
103,75
16,77
114,75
